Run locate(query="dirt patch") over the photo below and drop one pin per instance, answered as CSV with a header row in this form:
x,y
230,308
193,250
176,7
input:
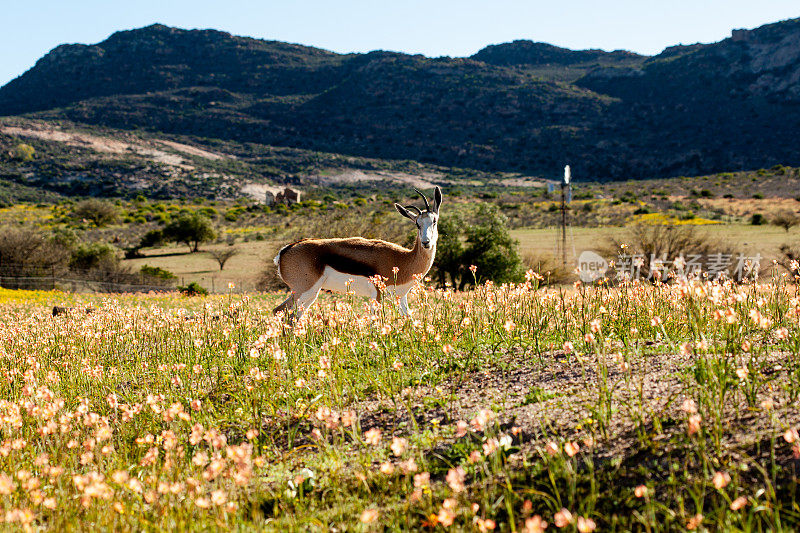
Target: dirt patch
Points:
x,y
557,394
99,144
523,181
191,150
425,180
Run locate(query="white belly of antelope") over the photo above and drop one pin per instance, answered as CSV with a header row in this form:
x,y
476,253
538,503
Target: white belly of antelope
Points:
x,y
347,283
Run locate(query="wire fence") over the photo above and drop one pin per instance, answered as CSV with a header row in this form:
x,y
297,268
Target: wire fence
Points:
x,y
45,283
37,277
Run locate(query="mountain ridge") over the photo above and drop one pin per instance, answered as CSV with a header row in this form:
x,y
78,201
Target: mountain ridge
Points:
x,y
520,106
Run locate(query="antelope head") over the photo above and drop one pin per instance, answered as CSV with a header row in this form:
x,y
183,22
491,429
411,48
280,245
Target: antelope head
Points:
x,y
426,220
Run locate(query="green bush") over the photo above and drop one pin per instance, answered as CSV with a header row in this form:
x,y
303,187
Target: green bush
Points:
x,y
152,239
193,289
99,212
757,219
93,256
23,152
156,272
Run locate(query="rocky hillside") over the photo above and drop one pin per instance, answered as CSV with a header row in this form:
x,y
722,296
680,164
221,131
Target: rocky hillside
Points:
x,y
522,106
40,160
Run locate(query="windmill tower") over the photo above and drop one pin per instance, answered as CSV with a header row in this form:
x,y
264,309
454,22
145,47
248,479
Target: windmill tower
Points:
x,y
566,198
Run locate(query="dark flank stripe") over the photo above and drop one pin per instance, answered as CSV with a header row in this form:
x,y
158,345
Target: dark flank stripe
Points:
x,y
347,265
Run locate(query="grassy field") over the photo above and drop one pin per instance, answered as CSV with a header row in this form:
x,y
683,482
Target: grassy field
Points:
x,y
635,408
244,268
744,238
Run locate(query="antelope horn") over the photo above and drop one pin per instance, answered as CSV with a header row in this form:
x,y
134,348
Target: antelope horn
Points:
x,y
427,205
415,208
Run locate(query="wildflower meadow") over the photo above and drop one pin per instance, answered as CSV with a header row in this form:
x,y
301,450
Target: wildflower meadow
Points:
x,y
637,407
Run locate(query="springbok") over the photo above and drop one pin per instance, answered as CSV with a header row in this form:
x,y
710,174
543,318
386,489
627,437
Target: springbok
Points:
x,y
356,264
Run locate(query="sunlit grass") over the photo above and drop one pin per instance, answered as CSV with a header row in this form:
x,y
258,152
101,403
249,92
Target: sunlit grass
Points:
x,y
165,412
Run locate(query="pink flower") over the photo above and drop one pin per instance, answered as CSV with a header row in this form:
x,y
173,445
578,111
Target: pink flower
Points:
x,y
562,518
694,424
721,480
738,503
446,517
399,446
535,524
586,525
552,448
571,448
373,436
689,406
455,478
369,515
694,522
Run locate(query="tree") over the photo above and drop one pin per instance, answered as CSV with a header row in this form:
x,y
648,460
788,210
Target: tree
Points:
x,y
28,252
487,245
99,212
450,251
222,255
785,220
190,230
491,249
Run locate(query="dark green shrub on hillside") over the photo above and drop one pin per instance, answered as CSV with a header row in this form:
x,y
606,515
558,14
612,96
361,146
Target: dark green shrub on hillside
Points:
x,y
99,212
23,152
233,214
210,212
757,219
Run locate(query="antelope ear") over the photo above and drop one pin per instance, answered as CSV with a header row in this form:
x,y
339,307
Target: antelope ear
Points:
x,y
437,199
403,211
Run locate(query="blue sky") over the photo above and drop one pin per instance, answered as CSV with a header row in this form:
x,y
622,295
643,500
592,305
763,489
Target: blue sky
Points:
x,y
29,29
